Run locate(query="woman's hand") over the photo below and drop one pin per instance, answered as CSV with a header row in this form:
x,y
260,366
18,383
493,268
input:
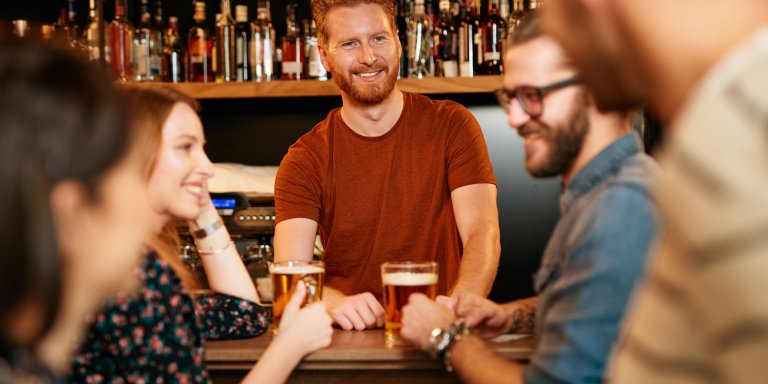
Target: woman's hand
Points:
x,y
308,328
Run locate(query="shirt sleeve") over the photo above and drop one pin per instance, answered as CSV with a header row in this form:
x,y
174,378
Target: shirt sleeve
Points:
x,y
297,186
468,160
580,312
228,317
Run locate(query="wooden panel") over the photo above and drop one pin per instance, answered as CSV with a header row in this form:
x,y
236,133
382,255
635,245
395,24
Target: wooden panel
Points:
x,y
352,357
308,88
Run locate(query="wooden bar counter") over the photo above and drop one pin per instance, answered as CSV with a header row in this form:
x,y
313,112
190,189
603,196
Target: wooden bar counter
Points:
x,y
352,357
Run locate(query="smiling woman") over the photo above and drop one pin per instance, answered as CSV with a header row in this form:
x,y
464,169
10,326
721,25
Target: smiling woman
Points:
x,y
158,335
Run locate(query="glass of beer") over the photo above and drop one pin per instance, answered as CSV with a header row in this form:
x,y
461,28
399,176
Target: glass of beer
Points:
x,y
400,280
285,275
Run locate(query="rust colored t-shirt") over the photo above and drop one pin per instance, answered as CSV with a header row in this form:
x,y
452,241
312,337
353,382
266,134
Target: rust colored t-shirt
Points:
x,y
385,198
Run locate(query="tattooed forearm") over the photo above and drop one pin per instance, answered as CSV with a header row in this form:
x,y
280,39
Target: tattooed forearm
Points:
x,y
523,319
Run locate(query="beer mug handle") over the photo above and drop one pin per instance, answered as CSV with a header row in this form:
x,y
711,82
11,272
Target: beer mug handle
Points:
x,y
311,284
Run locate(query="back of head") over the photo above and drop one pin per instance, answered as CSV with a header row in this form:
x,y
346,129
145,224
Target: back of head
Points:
x,y
320,9
60,121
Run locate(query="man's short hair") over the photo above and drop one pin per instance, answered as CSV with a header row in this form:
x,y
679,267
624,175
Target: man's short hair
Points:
x,y
528,29
320,9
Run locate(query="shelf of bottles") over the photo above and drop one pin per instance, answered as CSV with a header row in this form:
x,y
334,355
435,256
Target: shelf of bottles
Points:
x,y
451,49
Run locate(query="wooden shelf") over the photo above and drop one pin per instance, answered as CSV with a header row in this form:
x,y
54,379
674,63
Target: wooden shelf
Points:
x,y
310,88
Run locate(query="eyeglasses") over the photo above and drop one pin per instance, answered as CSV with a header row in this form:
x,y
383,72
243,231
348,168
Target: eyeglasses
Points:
x,y
531,98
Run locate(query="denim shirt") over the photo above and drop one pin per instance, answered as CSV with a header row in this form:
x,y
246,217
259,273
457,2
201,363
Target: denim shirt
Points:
x,y
592,262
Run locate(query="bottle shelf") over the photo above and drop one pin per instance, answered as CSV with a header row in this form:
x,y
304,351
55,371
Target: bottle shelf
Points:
x,y
315,88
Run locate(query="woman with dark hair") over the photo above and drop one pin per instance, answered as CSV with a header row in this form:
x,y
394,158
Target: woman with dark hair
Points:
x,y
74,213
158,335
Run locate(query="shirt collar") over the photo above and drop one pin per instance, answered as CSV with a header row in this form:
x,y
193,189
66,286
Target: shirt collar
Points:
x,y
599,169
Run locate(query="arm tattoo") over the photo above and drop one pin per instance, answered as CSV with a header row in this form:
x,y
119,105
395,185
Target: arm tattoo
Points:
x,y
523,319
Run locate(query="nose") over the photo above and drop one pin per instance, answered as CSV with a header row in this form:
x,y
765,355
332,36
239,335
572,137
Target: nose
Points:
x,y
205,166
517,117
367,55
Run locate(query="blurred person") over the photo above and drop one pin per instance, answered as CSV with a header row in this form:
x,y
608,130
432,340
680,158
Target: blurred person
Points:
x,y
74,210
389,176
597,252
702,67
158,334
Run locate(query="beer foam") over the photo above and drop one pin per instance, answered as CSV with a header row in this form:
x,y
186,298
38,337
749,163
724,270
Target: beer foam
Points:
x,y
295,270
409,278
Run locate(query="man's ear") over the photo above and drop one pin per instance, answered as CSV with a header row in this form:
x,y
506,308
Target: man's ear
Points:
x,y
68,201
324,56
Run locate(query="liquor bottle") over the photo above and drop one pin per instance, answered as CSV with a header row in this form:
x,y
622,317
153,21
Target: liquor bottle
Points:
x,y
242,44
403,15
446,39
225,45
293,46
200,48
419,44
518,12
147,48
120,44
429,10
174,54
91,35
315,69
494,35
159,14
21,29
263,44
470,39
72,29
504,12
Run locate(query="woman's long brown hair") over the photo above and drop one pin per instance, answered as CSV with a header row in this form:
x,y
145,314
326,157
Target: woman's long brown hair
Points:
x,y
152,106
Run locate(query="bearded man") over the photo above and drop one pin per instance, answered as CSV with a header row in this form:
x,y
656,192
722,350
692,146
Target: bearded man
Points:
x,y
597,252
389,176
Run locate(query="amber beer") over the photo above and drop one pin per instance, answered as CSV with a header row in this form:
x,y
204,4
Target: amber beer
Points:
x,y
285,275
400,280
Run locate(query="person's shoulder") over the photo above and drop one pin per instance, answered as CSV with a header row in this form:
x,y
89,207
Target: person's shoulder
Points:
x,y
315,142
637,171
442,108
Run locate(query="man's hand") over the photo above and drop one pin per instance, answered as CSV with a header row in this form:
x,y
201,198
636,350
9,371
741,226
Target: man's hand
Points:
x,y
485,317
420,316
359,312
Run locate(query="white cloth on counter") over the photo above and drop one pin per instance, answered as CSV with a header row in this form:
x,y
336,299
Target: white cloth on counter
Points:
x,y
250,179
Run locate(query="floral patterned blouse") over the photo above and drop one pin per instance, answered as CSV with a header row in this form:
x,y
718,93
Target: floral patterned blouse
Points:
x,y
157,335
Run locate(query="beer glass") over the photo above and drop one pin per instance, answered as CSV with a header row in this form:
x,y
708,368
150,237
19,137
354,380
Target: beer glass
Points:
x,y
400,280
285,275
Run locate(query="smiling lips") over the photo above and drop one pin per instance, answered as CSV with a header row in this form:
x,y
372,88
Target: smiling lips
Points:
x,y
369,74
195,189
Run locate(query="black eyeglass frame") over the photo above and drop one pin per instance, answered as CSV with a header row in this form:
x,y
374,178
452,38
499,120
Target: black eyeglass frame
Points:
x,y
505,97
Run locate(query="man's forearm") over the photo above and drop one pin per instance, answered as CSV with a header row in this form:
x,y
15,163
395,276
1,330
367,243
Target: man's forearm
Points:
x,y
521,315
475,362
479,262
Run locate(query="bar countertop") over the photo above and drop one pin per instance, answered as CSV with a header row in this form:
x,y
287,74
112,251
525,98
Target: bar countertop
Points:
x,y
360,356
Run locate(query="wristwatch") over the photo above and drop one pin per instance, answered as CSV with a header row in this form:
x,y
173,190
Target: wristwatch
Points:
x,y
443,339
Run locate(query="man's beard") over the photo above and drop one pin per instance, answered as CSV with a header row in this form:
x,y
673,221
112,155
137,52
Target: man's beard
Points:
x,y
367,94
565,140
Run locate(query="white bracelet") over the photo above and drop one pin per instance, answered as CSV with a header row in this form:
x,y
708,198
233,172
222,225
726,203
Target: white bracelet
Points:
x,y
215,251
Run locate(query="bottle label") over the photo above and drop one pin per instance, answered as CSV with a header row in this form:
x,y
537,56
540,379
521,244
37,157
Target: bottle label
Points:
x,y
491,56
450,68
291,67
466,69
316,69
141,59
